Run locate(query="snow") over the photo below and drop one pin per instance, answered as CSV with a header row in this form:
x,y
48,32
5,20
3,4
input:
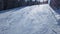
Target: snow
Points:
x,y
37,19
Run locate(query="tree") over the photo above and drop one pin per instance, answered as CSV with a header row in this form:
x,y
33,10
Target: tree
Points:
x,y
5,4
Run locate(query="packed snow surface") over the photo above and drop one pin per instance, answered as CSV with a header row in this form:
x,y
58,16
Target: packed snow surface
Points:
x,y
36,19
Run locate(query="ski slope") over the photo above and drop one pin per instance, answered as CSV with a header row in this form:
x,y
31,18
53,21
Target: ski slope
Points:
x,y
36,19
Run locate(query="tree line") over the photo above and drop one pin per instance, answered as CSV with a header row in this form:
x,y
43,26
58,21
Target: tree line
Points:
x,y
7,4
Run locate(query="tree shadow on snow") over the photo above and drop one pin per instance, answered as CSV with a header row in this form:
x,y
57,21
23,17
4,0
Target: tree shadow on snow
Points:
x,y
58,12
15,9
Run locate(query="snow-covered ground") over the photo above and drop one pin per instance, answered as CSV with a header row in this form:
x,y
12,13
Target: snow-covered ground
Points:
x,y
37,19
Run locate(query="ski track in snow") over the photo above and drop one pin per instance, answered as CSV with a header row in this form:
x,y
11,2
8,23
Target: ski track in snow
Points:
x,y
37,19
